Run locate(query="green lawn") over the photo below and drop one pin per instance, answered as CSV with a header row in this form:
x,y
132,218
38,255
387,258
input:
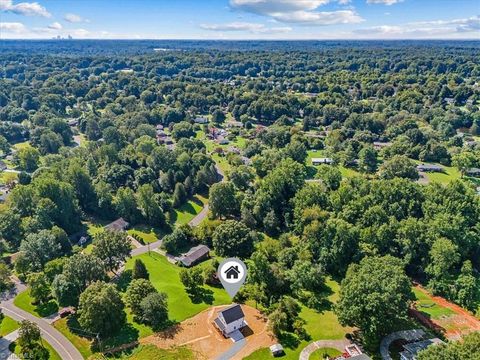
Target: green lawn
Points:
x,y
165,277
319,325
188,211
322,353
24,302
5,177
8,325
428,306
450,174
150,352
53,355
147,233
81,343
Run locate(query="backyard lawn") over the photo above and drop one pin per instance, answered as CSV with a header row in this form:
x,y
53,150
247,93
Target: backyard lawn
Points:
x,y
319,325
321,353
8,325
24,302
165,277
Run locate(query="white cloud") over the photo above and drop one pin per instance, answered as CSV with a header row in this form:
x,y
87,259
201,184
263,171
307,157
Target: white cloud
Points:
x,y
298,11
74,18
426,29
386,2
14,27
55,26
245,26
24,8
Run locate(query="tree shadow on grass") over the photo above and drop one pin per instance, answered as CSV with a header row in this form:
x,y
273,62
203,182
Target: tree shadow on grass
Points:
x,y
202,295
125,335
47,308
289,340
124,280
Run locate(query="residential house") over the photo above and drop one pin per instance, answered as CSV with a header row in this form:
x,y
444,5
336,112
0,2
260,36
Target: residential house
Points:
x,y
320,161
200,120
475,172
118,225
230,320
430,168
411,350
195,255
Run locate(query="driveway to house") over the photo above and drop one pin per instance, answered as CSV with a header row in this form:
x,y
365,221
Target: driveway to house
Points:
x,y
230,353
409,335
335,344
55,338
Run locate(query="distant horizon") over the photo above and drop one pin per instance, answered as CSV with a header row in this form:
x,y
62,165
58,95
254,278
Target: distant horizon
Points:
x,y
241,19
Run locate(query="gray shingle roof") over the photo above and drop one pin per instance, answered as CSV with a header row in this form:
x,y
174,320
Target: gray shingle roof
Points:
x,y
233,313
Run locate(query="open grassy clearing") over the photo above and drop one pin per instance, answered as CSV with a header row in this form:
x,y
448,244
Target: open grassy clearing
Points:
x,y
149,352
165,277
188,211
428,306
81,343
322,353
8,325
25,302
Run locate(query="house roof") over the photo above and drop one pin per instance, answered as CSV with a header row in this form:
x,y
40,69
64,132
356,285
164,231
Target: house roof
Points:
x,y
232,313
418,346
220,324
117,225
429,167
194,254
360,357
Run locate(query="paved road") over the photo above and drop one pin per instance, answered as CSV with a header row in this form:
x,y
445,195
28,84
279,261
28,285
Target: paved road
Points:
x,y
55,338
230,353
335,344
409,335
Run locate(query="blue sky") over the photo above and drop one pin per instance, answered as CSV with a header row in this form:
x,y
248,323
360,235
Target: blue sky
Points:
x,y
241,19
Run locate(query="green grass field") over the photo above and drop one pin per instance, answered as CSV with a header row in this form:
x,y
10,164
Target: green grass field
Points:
x,y
319,325
188,211
165,277
426,305
81,343
53,355
8,325
146,233
322,353
24,301
149,352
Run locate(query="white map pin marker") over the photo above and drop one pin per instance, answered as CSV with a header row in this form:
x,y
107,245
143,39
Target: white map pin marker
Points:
x,y
232,273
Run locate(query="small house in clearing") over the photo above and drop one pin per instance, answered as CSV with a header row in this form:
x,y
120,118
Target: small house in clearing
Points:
x,y
230,320
429,168
411,350
195,255
118,225
200,120
320,161
475,172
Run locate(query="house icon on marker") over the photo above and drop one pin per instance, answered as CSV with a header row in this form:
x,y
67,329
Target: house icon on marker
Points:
x,y
232,272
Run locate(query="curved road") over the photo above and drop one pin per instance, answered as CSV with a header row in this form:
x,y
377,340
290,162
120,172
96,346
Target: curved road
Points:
x,y
55,338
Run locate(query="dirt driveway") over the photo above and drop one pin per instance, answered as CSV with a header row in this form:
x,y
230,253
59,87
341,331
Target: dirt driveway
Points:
x,y
203,338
